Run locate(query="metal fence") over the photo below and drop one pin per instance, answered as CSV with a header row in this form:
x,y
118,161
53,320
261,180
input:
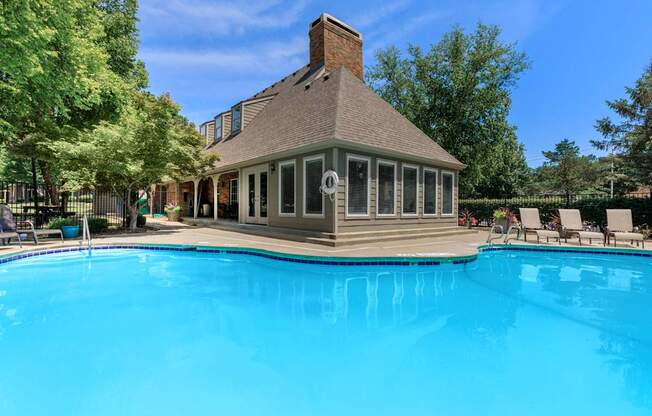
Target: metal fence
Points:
x,y
561,200
40,210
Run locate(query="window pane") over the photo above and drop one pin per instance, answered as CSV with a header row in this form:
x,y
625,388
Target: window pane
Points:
x,y
429,192
386,174
263,194
314,200
447,193
234,191
409,190
287,189
218,128
235,119
252,195
358,186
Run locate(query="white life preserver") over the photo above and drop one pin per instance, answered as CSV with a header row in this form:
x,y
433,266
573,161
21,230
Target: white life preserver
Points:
x,y
329,182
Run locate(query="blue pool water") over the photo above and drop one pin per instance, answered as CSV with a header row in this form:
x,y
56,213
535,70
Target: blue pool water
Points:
x,y
140,332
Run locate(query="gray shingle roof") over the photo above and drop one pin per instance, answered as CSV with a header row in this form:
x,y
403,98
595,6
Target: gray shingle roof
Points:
x,y
335,107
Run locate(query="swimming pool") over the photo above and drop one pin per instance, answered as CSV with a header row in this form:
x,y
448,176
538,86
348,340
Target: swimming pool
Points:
x,y
139,332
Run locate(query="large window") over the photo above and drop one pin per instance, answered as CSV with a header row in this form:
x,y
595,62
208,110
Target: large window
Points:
x,y
410,190
236,118
233,191
313,200
357,186
429,191
286,189
218,128
386,188
447,193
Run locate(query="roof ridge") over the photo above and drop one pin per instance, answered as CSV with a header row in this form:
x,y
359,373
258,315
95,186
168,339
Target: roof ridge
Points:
x,y
338,97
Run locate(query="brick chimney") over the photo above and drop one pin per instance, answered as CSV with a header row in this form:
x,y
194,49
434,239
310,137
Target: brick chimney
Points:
x,y
334,44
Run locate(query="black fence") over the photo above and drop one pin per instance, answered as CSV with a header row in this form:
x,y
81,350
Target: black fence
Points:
x,y
592,206
40,208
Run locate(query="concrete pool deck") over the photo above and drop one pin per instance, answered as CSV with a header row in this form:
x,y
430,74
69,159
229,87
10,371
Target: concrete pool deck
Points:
x,y
178,233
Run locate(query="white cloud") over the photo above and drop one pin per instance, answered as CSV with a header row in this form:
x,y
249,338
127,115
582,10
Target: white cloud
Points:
x,y
223,18
378,14
393,34
268,57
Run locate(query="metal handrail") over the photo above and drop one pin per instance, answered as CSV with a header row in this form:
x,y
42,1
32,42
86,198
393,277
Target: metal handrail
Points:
x,y
86,234
491,231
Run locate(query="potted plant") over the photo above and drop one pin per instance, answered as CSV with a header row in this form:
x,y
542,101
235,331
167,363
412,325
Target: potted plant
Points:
x,y
173,212
68,226
504,217
467,218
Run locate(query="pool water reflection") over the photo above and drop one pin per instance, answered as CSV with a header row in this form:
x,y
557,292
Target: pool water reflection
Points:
x,y
135,332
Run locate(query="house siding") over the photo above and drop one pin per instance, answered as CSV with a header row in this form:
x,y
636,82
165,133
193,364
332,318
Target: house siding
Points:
x,y
251,110
372,221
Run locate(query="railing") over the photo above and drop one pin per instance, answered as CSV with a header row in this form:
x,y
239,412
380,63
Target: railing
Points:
x,y
39,207
86,234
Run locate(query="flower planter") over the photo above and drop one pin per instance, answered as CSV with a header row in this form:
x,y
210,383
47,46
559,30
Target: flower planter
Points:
x,y
70,231
504,222
174,215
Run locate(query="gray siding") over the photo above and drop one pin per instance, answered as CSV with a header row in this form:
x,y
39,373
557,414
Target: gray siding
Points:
x,y
250,111
374,222
299,221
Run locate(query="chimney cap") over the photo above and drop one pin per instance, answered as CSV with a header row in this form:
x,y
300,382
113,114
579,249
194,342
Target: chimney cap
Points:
x,y
325,17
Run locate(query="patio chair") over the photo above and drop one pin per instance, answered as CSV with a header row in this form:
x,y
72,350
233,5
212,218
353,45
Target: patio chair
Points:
x,y
620,227
8,226
530,221
8,223
571,224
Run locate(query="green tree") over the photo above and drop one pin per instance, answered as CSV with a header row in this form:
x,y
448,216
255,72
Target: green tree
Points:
x,y
150,142
459,93
567,171
630,137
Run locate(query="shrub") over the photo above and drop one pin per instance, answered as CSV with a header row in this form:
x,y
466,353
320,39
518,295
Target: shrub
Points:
x,y
98,225
57,223
593,210
140,221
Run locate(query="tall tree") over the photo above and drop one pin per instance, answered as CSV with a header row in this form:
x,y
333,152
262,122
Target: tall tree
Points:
x,y
630,137
149,143
567,171
458,93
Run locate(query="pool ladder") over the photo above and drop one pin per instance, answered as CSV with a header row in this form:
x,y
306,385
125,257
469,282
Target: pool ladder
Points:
x,y
86,234
502,233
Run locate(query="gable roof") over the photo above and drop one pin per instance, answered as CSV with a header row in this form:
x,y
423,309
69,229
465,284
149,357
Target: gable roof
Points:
x,y
312,109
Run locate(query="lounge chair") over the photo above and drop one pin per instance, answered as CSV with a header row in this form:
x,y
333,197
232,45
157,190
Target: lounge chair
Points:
x,y
8,223
571,223
530,221
8,226
620,227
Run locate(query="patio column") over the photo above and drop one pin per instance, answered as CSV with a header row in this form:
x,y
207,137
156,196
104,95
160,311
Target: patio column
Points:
x,y
216,196
195,209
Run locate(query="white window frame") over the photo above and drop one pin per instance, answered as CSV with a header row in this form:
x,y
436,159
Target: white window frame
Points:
x,y
231,201
241,107
305,195
349,157
437,191
452,174
292,162
394,165
215,138
403,213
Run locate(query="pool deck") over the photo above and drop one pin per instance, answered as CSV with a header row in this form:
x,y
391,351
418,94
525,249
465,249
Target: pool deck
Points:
x,y
182,234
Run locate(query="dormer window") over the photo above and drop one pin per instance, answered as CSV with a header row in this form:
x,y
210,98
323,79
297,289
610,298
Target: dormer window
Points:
x,y
236,118
218,128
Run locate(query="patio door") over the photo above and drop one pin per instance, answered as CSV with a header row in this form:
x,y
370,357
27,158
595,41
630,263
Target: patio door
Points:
x,y
255,182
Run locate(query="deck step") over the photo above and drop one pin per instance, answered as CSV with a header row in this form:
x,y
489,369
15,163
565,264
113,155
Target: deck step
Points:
x,y
349,241
387,232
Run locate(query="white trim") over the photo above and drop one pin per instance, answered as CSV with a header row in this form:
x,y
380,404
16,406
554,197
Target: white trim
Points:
x,y
403,213
394,165
292,162
323,200
367,159
452,174
423,194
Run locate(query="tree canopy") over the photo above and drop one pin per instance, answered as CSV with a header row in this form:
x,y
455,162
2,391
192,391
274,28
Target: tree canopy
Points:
x,y
459,93
567,171
630,137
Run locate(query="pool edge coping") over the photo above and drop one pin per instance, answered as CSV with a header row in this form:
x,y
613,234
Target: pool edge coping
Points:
x,y
329,260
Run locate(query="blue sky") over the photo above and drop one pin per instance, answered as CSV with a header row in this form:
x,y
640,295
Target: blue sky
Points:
x,y
210,54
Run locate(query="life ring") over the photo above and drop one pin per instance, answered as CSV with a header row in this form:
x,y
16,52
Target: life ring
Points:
x,y
329,182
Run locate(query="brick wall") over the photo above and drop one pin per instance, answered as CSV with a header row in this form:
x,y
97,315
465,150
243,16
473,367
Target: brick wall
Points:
x,y
335,47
